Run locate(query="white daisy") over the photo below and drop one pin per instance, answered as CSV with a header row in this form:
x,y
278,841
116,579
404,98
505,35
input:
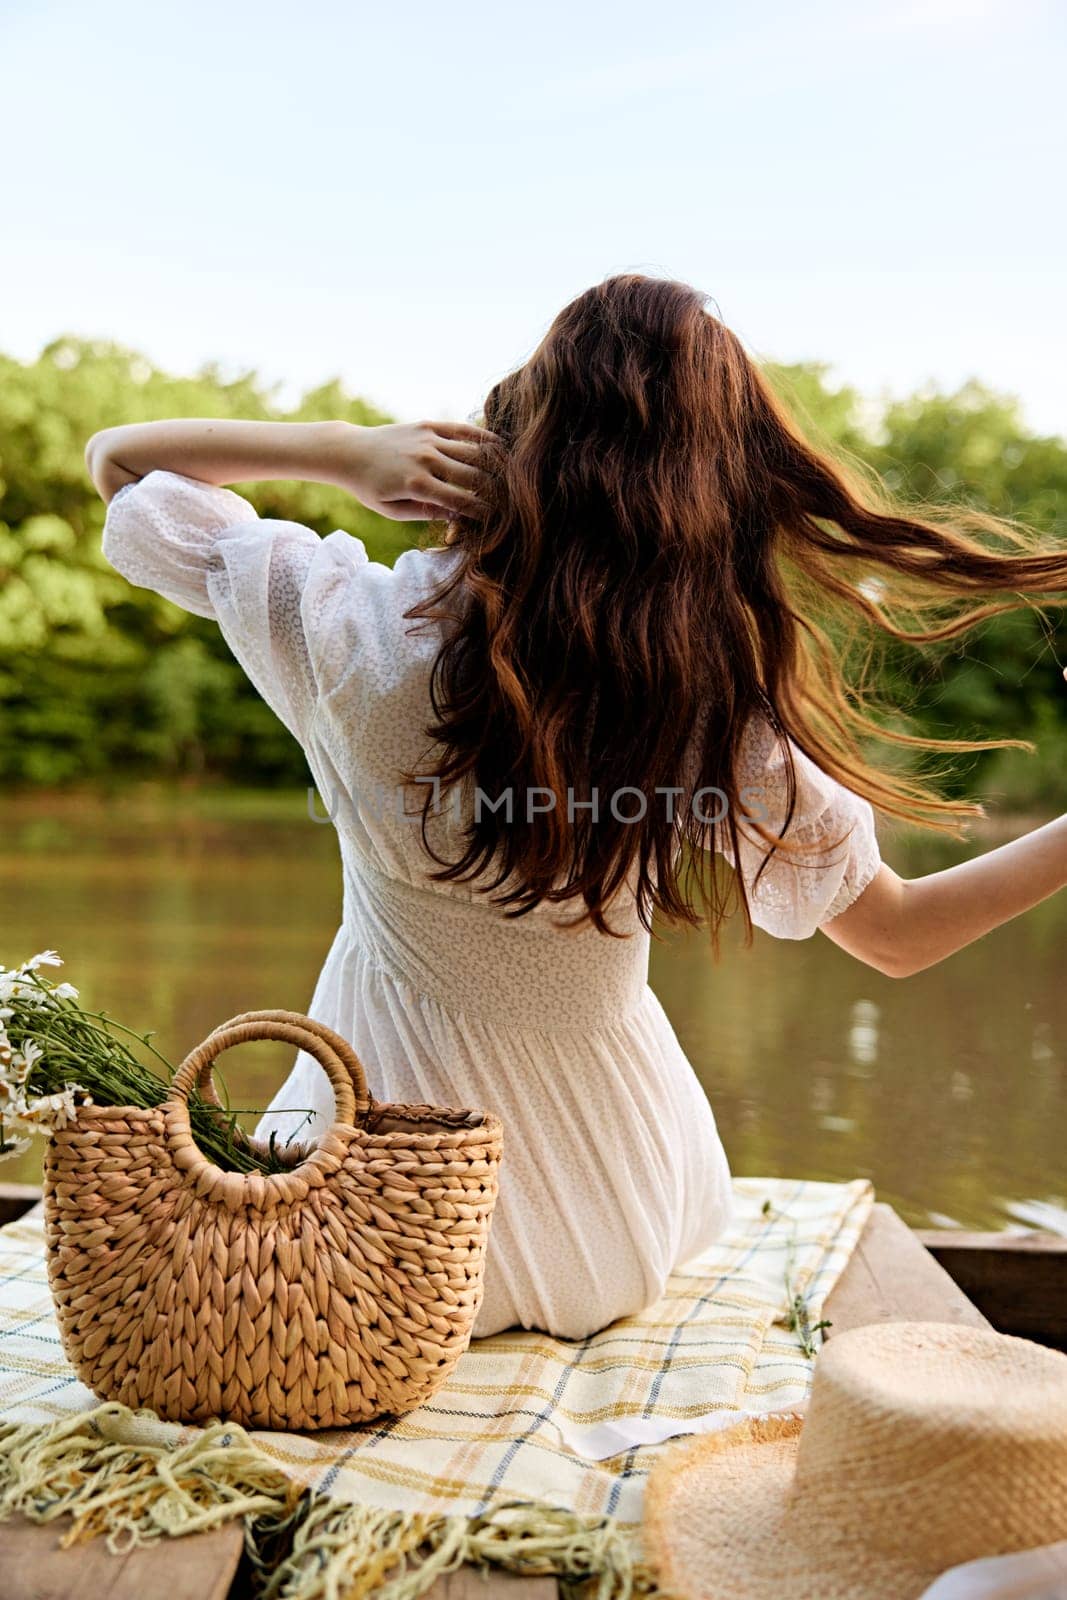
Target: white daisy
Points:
x,y
45,958
11,1144
31,1053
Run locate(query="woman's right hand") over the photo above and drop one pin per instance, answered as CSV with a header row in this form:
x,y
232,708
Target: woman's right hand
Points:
x,y
404,470
414,471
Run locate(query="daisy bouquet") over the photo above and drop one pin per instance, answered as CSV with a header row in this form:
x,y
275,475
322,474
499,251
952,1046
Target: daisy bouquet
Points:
x,y
55,1055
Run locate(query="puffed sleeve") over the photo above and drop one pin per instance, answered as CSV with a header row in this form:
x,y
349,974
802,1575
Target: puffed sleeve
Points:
x,y
271,585
793,897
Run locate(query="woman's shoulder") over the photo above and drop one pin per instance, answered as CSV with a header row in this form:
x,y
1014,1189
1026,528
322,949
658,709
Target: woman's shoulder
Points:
x,y
423,566
357,612
389,592
420,567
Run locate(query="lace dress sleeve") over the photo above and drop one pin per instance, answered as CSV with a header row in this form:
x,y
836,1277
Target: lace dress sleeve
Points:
x,y
264,581
796,895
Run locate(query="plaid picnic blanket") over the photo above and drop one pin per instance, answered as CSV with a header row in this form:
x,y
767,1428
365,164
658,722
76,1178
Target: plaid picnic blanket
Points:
x,y
574,1424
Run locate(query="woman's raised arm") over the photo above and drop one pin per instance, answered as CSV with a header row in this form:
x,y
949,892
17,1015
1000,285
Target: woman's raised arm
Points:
x,y
902,925
403,470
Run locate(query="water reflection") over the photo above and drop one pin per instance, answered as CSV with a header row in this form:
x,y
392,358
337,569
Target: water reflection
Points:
x,y
948,1089
863,1036
1047,1214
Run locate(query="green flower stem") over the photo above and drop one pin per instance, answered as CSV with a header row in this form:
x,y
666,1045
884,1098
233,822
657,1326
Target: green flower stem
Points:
x,y
797,1317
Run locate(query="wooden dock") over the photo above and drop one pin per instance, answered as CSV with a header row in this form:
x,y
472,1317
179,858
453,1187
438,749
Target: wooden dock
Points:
x,y
1016,1283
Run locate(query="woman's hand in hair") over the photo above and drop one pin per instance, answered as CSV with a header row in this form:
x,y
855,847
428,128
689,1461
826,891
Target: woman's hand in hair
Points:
x,y
404,470
412,471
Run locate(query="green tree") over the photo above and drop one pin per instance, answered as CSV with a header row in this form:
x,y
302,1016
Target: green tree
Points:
x,y
97,677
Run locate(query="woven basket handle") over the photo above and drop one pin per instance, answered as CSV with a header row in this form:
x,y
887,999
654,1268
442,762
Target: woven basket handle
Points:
x,y
333,1053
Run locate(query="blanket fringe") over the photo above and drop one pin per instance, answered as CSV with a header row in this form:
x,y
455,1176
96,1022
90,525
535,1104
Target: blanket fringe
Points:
x,y
103,1469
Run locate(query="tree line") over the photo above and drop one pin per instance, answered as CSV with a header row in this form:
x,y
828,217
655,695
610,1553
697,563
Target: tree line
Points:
x,y
101,681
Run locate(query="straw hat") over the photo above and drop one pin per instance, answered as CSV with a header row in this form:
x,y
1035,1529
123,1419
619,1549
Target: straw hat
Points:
x,y
922,1445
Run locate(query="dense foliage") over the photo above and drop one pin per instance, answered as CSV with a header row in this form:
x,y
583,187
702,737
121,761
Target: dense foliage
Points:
x,y
101,681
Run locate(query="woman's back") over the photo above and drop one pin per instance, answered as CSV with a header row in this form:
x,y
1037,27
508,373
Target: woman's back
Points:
x,y
444,938
613,1169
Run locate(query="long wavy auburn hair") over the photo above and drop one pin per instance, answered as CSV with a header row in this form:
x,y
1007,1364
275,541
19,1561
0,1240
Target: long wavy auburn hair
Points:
x,y
663,556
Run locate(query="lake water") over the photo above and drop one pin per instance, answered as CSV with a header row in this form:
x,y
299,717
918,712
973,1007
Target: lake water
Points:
x,y
948,1089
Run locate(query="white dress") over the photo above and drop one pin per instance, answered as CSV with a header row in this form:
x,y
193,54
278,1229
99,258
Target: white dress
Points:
x,y
613,1169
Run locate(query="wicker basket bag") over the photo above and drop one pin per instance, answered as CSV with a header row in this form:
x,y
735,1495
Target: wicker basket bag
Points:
x,y
340,1289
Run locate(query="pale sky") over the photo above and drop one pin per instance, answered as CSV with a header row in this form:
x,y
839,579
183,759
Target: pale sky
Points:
x,y
404,195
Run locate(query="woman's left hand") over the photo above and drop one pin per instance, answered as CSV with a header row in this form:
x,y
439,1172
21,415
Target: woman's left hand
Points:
x,y
413,471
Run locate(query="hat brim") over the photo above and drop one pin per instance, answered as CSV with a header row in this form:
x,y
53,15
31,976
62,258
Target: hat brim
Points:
x,y
719,1525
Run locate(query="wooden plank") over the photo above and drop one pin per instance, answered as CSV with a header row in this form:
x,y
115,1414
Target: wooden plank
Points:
x,y
1018,1280
16,1199
891,1277
202,1566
